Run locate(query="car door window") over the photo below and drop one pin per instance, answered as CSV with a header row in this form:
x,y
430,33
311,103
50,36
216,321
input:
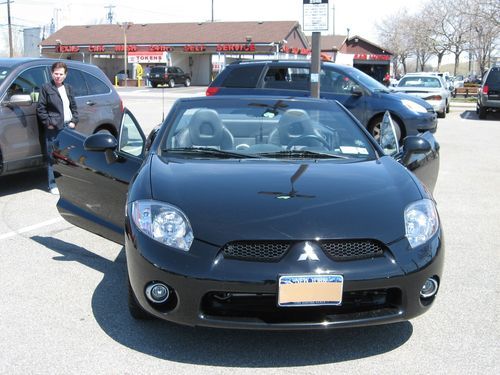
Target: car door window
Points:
x,y
77,82
95,85
131,136
335,82
29,81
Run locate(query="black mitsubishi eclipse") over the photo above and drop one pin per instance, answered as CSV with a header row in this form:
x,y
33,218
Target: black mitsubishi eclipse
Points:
x,y
262,213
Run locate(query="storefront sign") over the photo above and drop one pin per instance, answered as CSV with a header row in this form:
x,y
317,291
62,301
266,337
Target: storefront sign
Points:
x,y
67,49
157,48
130,48
195,48
235,47
147,57
361,56
97,48
295,51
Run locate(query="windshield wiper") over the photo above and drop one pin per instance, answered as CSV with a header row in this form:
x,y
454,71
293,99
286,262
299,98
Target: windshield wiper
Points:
x,y
302,154
208,151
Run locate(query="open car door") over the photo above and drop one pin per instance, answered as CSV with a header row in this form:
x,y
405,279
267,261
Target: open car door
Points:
x,y
420,154
93,174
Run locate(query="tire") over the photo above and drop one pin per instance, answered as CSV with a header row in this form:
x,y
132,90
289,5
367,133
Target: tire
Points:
x,y
171,83
482,113
374,128
448,107
155,85
187,82
135,310
442,114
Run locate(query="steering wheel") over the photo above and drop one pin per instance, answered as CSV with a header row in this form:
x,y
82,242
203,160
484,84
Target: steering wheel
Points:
x,y
314,137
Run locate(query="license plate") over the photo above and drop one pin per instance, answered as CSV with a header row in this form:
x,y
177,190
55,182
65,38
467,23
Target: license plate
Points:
x,y
310,290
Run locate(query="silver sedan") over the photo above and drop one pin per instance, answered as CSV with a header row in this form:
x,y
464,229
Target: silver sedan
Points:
x,y
429,87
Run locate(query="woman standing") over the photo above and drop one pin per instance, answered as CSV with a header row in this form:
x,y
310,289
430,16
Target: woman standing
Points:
x,y
56,109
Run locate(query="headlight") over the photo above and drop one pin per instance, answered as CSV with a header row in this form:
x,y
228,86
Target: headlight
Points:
x,y
421,221
412,106
163,223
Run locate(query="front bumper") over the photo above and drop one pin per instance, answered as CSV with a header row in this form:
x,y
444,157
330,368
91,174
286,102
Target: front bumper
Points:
x,y
420,123
209,290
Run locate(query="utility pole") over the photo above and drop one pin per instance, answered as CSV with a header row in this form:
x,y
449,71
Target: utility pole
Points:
x,y
11,50
109,15
212,10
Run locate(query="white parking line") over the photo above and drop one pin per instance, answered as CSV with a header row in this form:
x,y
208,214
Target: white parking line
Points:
x,y
30,228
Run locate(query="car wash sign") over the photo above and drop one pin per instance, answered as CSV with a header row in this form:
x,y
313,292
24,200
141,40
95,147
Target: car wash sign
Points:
x,y
315,15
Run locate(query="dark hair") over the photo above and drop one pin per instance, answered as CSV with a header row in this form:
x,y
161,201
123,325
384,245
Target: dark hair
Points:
x,y
58,65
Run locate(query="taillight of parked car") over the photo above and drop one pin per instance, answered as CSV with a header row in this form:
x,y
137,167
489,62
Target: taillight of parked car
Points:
x,y
486,89
212,91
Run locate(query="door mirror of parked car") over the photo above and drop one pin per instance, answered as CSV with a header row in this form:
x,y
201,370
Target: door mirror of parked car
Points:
x,y
356,90
103,142
18,100
414,145
388,139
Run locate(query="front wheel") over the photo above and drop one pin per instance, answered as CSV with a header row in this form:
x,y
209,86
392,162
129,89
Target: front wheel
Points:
x,y
171,83
448,107
374,128
187,83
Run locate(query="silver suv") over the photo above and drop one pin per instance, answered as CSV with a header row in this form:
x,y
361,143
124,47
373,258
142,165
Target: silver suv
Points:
x,y
488,97
99,107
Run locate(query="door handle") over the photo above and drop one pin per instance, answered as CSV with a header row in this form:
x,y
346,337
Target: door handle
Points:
x,y
89,102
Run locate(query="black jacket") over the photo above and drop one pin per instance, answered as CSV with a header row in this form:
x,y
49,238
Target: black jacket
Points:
x,y
50,106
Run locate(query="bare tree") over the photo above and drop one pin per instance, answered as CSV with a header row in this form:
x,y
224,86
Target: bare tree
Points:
x,y
393,33
484,20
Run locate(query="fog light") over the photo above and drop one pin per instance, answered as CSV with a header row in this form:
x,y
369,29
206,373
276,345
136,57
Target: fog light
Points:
x,y
157,292
429,288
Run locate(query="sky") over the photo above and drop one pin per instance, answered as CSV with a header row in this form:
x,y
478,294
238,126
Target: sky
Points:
x,y
360,16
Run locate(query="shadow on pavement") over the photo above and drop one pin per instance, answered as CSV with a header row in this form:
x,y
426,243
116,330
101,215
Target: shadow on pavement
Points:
x,y
472,115
217,347
19,182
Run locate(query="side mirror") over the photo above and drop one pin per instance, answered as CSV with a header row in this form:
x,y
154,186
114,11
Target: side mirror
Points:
x,y
356,90
19,100
103,142
388,139
413,145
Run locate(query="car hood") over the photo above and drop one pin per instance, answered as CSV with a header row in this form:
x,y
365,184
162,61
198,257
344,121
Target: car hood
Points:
x,y
255,199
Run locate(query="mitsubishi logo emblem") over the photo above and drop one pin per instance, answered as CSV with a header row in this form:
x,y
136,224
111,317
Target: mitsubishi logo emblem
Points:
x,y
308,253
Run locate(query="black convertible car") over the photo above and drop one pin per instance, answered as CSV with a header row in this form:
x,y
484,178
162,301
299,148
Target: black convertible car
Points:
x,y
262,212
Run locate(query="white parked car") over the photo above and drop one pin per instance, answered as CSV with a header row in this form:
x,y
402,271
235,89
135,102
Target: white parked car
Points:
x,y
430,87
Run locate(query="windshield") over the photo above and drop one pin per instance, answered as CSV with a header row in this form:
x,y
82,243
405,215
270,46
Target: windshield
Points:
x,y
263,128
4,72
416,81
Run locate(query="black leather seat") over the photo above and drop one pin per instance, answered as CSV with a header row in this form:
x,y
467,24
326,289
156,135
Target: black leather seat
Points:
x,y
294,125
205,129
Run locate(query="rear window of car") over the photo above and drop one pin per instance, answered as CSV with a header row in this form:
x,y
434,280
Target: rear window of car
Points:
x,y
243,77
494,76
158,70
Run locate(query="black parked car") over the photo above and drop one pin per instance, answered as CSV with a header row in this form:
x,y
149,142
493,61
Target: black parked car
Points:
x,y
262,212
365,97
171,76
488,97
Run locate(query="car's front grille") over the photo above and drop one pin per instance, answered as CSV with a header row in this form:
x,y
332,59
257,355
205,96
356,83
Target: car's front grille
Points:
x,y
264,307
273,251
352,249
264,251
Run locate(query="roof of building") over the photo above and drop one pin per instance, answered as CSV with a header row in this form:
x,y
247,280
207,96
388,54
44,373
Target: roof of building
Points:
x,y
172,33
